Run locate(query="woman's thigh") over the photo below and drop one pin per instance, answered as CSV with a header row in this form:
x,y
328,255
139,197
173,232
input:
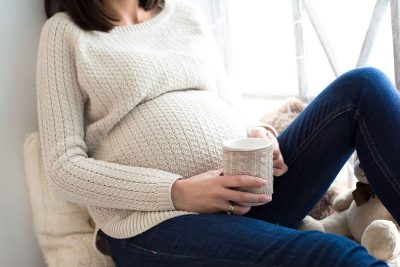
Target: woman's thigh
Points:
x,y
230,240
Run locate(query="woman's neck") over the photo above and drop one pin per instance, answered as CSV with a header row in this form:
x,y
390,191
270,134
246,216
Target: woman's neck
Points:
x,y
129,12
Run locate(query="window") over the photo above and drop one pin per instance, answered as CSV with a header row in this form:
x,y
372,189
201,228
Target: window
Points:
x,y
257,39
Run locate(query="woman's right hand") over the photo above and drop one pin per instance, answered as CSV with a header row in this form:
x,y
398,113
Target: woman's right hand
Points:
x,y
210,192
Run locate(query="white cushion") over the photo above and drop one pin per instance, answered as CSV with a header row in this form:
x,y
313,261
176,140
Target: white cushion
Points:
x,y
62,228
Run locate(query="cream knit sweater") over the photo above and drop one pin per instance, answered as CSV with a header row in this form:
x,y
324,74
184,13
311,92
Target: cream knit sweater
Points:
x,y
124,114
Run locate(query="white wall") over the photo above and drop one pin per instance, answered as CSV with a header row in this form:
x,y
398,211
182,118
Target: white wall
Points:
x,y
20,26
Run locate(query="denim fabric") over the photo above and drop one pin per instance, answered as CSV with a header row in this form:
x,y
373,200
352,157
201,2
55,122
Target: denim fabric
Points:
x,y
359,111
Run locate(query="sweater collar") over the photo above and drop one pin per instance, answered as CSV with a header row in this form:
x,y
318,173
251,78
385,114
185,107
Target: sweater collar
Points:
x,y
150,23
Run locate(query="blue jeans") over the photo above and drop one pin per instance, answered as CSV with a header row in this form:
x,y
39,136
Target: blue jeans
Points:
x,y
359,111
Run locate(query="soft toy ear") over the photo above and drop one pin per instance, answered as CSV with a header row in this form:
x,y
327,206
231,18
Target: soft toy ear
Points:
x,y
343,201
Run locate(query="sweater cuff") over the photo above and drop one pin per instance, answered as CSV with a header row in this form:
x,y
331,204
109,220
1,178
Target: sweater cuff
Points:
x,y
164,197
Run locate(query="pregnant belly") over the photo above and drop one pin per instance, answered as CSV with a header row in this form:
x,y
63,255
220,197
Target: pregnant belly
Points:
x,y
180,131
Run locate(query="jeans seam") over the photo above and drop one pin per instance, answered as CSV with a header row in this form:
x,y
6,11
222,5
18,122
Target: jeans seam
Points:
x,y
377,158
332,116
128,244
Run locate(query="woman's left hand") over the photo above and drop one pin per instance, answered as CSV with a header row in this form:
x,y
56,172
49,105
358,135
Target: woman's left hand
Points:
x,y
279,164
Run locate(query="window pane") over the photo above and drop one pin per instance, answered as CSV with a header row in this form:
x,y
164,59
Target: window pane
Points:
x,y
263,50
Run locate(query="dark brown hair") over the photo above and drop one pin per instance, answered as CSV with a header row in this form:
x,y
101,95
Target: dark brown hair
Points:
x,y
90,14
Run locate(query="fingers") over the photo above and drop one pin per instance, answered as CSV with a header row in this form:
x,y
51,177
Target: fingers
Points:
x,y
279,164
258,132
244,197
276,153
279,167
279,172
239,209
241,181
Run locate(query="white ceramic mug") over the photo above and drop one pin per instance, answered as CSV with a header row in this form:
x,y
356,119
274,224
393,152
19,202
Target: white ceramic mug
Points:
x,y
250,156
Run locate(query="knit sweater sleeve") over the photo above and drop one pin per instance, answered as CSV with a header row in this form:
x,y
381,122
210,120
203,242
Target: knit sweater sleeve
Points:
x,y
60,106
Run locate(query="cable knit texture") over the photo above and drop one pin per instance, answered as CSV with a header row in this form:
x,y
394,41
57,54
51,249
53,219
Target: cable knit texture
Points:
x,y
125,113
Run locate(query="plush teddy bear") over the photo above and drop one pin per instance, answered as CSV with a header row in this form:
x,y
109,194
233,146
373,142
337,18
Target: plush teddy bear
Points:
x,y
286,113
362,217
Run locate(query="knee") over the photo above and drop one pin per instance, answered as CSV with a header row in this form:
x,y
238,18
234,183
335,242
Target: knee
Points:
x,y
369,82
367,77
372,77
366,72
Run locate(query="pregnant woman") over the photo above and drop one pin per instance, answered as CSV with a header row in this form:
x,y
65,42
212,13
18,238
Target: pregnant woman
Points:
x,y
132,120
